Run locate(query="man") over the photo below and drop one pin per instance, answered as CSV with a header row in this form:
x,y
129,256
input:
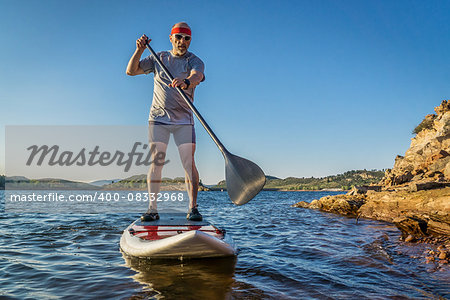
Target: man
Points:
x,y
169,113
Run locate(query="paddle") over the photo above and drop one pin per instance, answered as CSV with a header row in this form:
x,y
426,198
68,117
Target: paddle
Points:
x,y
244,178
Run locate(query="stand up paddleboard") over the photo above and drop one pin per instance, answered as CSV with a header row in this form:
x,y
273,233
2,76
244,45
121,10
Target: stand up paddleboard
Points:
x,y
172,236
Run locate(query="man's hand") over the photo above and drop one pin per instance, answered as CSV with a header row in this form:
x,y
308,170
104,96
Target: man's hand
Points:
x,y
178,82
133,65
142,42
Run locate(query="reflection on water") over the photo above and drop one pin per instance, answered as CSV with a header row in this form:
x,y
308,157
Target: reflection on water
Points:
x,y
189,279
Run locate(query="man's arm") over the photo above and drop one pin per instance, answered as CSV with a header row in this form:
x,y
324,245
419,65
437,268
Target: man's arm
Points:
x,y
133,67
194,78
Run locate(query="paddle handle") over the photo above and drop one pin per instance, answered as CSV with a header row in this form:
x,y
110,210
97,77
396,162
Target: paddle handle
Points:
x,y
190,104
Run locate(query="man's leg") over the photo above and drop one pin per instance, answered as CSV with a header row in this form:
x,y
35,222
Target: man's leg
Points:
x,y
187,152
184,136
158,136
154,173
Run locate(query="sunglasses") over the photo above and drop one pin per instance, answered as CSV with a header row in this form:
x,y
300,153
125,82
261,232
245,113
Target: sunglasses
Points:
x,y
179,37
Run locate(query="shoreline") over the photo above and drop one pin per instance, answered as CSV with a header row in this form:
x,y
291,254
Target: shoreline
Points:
x,y
324,190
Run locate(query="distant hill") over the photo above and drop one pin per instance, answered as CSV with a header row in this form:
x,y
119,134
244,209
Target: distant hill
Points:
x,y
136,182
23,183
139,182
103,182
343,181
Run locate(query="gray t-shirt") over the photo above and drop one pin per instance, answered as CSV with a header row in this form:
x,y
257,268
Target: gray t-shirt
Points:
x,y
168,106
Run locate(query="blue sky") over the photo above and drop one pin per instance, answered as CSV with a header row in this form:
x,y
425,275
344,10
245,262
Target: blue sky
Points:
x,y
302,88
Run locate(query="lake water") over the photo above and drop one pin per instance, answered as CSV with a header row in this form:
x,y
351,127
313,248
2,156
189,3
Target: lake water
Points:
x,y
284,253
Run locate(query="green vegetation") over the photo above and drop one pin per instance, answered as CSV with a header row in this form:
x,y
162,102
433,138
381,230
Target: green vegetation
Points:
x,y
139,182
427,123
342,181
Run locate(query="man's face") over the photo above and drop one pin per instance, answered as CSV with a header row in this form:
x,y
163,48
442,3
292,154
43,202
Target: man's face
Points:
x,y
180,43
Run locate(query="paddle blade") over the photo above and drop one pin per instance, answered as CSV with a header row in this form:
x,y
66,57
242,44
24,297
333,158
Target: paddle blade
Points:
x,y
244,179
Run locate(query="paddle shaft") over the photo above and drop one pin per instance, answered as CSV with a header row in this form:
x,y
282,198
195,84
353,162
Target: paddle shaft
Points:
x,y
190,104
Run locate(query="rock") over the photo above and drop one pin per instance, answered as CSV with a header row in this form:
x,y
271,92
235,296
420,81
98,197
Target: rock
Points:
x,y
444,261
410,238
442,255
439,223
439,165
302,204
342,207
429,258
417,177
444,107
402,178
340,204
414,187
413,226
429,151
315,204
441,248
356,190
446,171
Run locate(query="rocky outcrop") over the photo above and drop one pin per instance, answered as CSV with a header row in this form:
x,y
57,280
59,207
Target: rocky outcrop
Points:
x,y
426,211
341,204
415,193
428,157
357,190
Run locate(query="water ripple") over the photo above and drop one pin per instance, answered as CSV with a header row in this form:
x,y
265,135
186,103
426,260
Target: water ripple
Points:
x,y
284,253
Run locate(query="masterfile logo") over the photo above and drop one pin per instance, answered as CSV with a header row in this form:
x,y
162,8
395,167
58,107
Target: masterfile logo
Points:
x,y
55,156
85,153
